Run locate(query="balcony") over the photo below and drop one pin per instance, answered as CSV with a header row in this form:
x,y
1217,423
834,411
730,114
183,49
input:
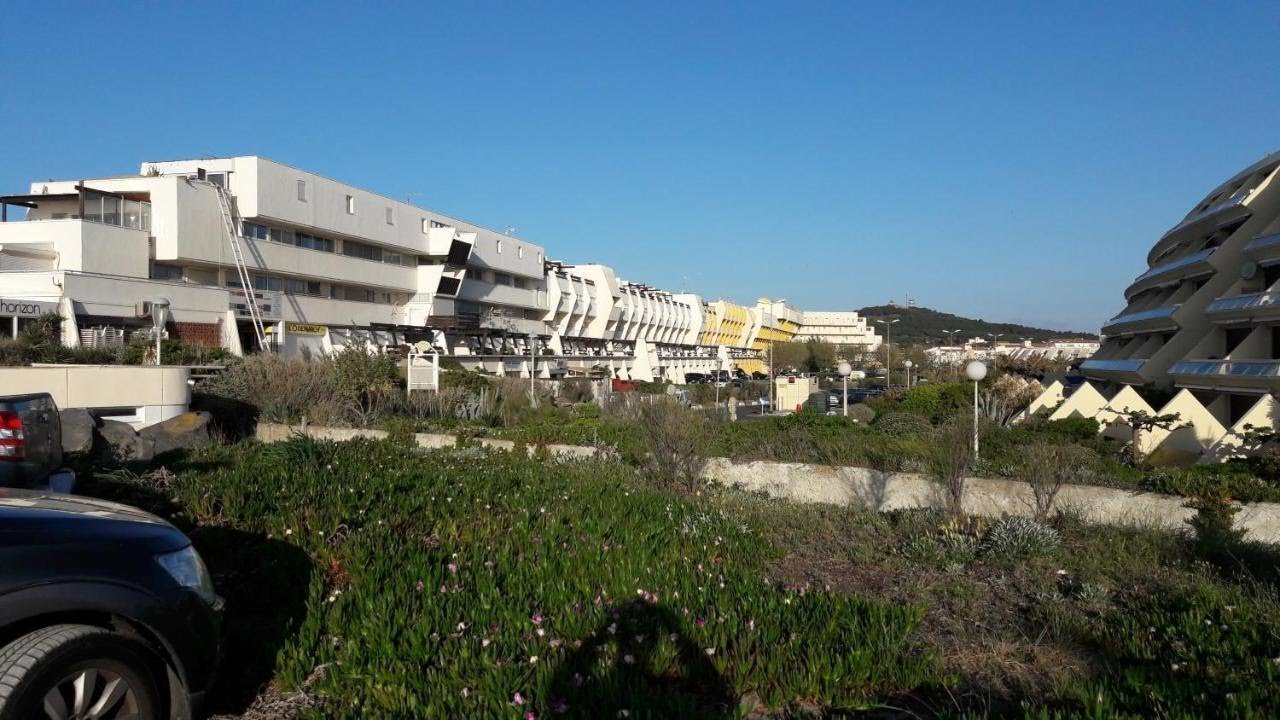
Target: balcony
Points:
x,y
1244,307
1217,373
1205,221
1143,321
1127,370
1264,247
1174,271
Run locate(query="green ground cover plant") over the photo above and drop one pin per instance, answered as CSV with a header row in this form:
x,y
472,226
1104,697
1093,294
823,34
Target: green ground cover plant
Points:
x,y
369,579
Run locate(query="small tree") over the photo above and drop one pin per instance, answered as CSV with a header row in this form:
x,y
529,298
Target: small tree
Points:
x,y
1046,468
1140,421
677,439
949,460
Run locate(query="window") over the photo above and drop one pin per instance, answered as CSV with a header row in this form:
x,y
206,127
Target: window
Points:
x,y
165,272
285,237
391,216
360,250
520,251
255,231
499,246
302,191
301,287
351,205
502,279
437,223
425,226
312,242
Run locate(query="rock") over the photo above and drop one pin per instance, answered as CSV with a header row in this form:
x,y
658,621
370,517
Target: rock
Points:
x,y
77,431
187,431
120,441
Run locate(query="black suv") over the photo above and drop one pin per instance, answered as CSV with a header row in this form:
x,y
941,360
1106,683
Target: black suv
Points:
x,y
105,612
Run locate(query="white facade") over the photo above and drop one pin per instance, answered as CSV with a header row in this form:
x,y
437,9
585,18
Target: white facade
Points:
x,y
331,265
837,328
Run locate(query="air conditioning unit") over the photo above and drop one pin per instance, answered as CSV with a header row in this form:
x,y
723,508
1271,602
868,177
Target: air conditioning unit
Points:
x,y
142,309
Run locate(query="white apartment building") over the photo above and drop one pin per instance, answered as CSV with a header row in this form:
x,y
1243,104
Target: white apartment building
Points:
x,y
251,254
837,328
1205,314
329,264
1063,350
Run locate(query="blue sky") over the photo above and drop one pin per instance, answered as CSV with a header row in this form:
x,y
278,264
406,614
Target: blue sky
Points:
x,y
1006,161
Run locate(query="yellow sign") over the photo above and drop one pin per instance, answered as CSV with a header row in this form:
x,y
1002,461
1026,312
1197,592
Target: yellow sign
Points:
x,y
301,329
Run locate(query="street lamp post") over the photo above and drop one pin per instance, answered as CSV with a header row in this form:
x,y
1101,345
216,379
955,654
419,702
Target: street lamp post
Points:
x,y
975,370
533,370
907,364
845,371
159,315
888,335
995,357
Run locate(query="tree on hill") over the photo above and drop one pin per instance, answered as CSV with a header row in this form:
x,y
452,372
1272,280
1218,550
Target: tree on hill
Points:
x,y
924,326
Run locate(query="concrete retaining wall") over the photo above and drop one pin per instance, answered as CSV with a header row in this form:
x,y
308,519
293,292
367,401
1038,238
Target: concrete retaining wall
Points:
x,y
271,432
883,491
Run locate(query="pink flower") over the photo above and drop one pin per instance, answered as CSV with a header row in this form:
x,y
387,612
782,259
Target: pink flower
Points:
x,y
530,716
517,698
453,568
559,705
419,585
751,624
628,659
537,618
700,622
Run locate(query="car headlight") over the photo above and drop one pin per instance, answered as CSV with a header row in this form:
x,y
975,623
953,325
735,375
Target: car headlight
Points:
x,y
188,570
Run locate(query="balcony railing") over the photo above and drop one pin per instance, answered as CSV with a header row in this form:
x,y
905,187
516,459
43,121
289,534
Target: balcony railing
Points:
x,y
1243,302
1233,202
1263,242
1180,263
1141,316
1127,365
1227,368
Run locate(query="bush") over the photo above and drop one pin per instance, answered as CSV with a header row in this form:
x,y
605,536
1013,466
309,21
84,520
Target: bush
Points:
x,y
283,389
949,460
937,401
1213,525
903,423
1046,468
677,438
1018,538
1073,429
860,413
576,390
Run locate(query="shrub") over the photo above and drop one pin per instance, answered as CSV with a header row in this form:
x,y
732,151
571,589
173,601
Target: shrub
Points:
x,y
364,383
282,389
903,423
677,438
1017,538
576,390
949,460
1213,525
936,402
1046,468
1074,429
861,414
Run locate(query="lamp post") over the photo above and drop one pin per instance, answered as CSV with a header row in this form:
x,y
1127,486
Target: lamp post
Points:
x,y
888,374
159,315
975,371
907,364
533,369
845,371
951,335
995,357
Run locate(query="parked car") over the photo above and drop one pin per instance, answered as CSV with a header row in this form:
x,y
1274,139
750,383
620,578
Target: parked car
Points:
x,y
694,378
105,612
31,442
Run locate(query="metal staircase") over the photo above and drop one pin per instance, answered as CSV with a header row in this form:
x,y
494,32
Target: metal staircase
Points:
x,y
237,253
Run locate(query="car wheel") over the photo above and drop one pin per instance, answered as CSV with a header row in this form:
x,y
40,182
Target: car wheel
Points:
x,y
76,672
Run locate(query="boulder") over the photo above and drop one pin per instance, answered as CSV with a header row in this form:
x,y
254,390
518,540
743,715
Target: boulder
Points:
x,y
119,440
187,431
77,431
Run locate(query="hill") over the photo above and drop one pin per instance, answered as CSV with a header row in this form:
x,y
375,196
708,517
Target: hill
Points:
x,y
921,325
